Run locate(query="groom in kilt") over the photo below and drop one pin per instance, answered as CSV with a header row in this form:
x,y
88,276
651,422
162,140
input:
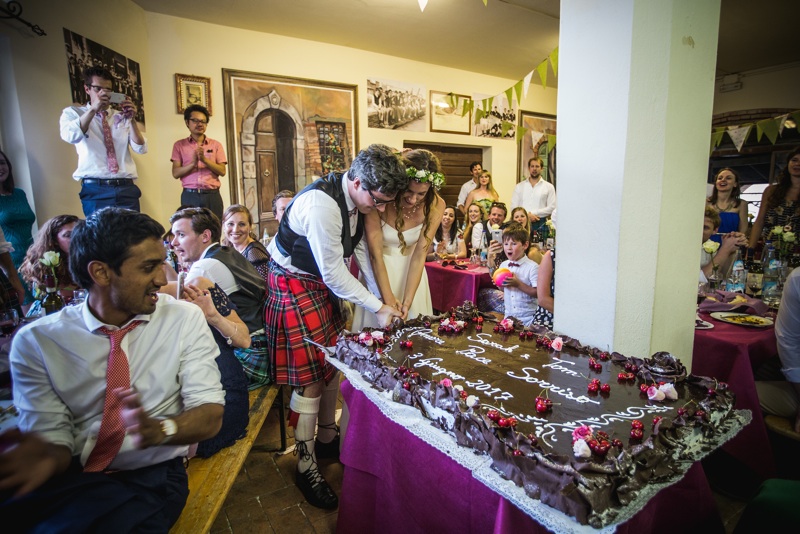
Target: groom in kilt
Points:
x,y
322,225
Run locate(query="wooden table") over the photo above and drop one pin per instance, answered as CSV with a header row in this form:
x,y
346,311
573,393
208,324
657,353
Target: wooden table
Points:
x,y
731,353
450,287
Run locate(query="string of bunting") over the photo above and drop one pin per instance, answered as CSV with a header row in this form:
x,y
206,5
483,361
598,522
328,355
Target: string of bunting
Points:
x,y
772,128
519,90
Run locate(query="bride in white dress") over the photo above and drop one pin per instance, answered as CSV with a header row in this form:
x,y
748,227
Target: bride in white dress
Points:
x,y
398,240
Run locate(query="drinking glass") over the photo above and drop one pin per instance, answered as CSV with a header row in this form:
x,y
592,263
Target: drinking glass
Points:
x,y
9,320
78,296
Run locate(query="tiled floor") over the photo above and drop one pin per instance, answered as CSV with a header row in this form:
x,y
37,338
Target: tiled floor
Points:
x,y
264,498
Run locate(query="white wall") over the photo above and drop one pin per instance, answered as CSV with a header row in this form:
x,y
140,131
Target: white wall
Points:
x,y
767,88
164,45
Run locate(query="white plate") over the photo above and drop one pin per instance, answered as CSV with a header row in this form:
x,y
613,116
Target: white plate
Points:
x,y
702,325
743,319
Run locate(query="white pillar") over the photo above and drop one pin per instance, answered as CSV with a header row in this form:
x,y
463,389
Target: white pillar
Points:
x,y
636,81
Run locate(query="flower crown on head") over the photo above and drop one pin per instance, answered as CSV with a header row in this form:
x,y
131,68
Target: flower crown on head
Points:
x,y
424,176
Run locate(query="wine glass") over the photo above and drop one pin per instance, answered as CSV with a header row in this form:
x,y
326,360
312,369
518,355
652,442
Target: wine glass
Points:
x,y
9,319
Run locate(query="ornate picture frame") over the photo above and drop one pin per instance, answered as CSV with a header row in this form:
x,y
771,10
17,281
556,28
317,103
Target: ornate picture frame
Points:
x,y
191,89
447,113
534,143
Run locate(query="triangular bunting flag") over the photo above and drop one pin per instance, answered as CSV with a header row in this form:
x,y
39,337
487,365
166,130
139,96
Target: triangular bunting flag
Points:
x,y
505,126
535,137
452,100
525,83
739,134
796,119
554,60
487,104
768,127
521,131
518,91
551,142
716,137
782,119
541,69
509,96
479,114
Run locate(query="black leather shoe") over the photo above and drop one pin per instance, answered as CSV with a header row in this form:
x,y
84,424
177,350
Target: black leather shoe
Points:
x,y
316,489
327,451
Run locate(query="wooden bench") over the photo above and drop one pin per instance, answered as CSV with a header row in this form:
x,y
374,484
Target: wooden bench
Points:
x,y
210,479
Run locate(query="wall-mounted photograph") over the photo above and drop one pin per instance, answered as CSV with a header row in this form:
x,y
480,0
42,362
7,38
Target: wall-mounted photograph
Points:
x,y
191,89
497,119
283,133
447,113
396,105
540,129
83,53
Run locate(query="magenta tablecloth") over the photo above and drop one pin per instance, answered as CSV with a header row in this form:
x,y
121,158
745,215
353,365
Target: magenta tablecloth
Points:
x,y
395,482
451,287
730,353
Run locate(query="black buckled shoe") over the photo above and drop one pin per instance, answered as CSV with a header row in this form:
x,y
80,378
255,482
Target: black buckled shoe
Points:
x,y
316,489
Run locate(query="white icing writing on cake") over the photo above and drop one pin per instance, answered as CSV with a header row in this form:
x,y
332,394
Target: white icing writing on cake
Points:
x,y
426,333
481,338
431,362
489,391
566,393
556,365
472,353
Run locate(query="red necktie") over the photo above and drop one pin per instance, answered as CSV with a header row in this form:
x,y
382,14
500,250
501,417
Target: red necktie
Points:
x,y
111,155
118,375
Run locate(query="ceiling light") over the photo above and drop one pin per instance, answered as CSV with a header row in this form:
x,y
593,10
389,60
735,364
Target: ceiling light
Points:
x,y
422,4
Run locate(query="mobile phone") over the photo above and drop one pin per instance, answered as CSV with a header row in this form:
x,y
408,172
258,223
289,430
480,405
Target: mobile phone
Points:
x,y
117,98
181,280
497,235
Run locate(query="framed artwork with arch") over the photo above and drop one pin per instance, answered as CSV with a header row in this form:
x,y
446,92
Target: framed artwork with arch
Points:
x,y
283,133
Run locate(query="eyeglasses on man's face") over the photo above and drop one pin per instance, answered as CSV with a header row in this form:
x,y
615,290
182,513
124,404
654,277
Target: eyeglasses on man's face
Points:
x,y
378,202
198,121
99,88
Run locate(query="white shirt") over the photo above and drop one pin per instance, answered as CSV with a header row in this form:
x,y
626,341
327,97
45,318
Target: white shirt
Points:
x,y
539,199
214,270
59,363
317,216
477,236
468,187
92,156
518,303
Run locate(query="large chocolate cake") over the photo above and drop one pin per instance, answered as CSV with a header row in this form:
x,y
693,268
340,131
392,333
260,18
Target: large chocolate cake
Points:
x,y
584,431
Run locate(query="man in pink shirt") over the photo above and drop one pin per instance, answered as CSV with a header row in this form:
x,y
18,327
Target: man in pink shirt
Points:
x,y
199,162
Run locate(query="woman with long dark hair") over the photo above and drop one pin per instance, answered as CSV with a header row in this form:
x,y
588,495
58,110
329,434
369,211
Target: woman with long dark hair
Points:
x,y
725,200
447,244
780,203
55,236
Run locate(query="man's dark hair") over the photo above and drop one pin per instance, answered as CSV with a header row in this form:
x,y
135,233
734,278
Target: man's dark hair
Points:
x,y
187,113
100,72
499,205
379,169
202,219
285,193
474,164
108,235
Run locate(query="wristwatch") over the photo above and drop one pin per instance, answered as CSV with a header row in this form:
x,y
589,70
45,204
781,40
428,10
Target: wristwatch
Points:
x,y
169,428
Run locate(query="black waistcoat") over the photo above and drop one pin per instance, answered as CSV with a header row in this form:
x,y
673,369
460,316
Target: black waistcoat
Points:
x,y
297,246
252,289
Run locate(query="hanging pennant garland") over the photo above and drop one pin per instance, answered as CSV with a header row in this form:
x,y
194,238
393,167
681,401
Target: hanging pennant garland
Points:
x,y
772,128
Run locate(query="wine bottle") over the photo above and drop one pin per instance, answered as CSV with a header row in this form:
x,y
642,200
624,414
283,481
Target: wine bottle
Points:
x,y
755,277
52,302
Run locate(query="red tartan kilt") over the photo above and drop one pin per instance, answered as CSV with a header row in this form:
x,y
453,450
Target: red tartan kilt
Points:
x,y
299,306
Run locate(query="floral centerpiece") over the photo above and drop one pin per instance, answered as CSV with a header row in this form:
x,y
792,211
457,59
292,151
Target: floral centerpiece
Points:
x,y
783,239
711,247
51,260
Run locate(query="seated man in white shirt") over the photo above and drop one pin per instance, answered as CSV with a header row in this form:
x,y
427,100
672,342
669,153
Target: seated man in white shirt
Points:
x,y
110,392
197,232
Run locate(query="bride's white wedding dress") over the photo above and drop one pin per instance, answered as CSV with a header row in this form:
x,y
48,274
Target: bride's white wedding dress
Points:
x,y
397,269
